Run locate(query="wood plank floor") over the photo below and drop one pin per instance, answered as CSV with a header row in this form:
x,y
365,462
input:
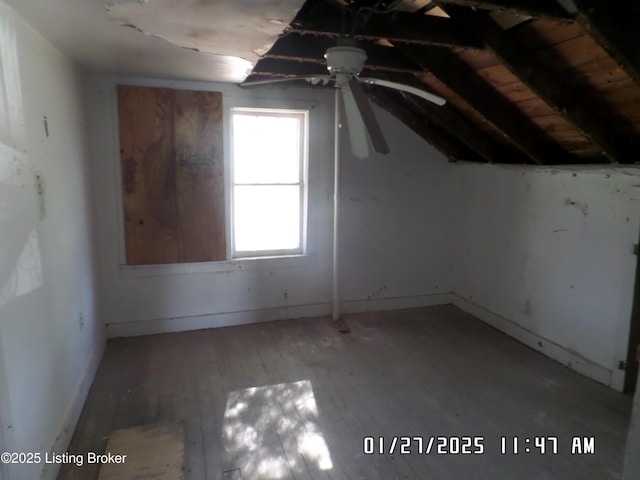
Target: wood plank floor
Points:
x,y
294,400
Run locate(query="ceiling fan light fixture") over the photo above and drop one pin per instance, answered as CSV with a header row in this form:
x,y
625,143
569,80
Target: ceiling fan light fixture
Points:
x,y
343,59
345,62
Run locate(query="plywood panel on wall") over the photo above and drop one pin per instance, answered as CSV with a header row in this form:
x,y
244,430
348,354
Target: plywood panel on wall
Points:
x,y
172,175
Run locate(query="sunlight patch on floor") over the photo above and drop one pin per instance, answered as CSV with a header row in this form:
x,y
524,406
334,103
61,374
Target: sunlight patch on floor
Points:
x,y
273,432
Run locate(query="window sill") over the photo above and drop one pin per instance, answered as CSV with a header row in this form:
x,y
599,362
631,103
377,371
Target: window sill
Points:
x,y
236,265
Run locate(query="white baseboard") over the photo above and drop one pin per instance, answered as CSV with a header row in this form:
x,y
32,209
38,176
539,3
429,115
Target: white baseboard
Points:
x,y
543,345
213,320
197,322
396,303
227,319
70,419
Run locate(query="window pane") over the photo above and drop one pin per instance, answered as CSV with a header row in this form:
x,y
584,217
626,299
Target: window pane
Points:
x,y
267,218
266,149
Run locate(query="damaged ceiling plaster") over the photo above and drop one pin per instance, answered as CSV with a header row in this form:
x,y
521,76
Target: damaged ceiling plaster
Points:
x,y
244,29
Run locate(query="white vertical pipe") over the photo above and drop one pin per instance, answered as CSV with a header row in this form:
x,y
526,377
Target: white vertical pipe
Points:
x,y
336,202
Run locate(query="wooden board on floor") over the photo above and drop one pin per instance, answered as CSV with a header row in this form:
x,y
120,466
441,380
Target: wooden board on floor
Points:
x,y
152,451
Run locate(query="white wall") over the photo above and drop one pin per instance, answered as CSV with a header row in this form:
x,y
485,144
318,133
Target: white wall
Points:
x,y
547,256
403,188
47,358
397,222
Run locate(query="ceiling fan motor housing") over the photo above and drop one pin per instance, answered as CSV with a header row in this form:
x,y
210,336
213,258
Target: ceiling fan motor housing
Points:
x,y
343,59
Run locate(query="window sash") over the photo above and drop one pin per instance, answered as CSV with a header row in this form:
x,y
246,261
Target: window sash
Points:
x,y
240,247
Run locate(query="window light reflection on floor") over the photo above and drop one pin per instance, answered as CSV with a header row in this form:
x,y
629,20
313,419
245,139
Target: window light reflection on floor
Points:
x,y
272,432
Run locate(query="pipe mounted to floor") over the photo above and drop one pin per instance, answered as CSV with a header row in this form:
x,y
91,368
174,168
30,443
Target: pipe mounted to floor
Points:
x,y
336,203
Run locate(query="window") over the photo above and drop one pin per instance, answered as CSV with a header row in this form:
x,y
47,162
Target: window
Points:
x,y
182,202
268,186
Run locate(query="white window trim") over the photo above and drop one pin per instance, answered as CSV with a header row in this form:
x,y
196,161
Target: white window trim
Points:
x,y
303,177
245,264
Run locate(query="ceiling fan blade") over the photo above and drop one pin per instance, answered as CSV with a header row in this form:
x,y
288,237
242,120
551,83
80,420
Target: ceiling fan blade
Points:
x,y
357,130
369,119
313,79
405,88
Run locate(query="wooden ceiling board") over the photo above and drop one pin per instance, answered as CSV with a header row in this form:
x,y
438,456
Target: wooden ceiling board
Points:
x,y
571,53
463,107
577,144
624,90
566,135
553,124
443,128
498,76
588,153
546,81
535,107
475,58
614,25
545,32
529,8
517,92
597,74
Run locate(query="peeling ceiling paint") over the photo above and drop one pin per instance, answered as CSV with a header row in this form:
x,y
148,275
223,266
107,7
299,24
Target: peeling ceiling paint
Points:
x,y
244,29
231,32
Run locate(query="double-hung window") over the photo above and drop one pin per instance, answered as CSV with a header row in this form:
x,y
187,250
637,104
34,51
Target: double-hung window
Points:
x,y
268,184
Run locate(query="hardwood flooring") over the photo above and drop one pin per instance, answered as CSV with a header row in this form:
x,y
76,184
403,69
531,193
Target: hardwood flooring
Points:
x,y
294,400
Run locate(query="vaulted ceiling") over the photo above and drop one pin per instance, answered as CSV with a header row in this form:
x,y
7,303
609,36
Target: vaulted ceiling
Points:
x,y
526,81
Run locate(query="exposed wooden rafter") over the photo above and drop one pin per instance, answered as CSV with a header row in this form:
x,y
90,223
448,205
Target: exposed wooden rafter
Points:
x,y
311,48
452,149
531,8
556,99
503,115
288,67
441,119
285,67
575,108
614,25
449,119
397,27
299,54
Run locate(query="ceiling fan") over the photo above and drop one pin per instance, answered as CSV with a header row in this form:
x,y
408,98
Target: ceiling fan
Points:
x,y
345,62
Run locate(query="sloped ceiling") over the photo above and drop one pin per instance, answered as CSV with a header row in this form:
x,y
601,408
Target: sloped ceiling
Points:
x,y
526,81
